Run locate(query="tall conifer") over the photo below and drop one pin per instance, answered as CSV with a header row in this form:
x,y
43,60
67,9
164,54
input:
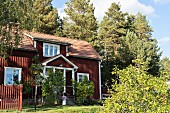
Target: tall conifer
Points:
x,y
142,27
112,27
80,22
46,16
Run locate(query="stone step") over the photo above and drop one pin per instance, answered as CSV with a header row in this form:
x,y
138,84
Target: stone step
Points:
x,y
70,101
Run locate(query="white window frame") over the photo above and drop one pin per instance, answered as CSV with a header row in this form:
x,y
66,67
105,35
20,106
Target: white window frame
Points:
x,y
83,74
12,68
54,45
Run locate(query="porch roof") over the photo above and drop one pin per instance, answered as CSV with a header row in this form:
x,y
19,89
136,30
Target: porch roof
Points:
x,y
56,57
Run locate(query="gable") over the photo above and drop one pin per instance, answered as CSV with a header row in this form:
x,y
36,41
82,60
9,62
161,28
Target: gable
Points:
x,y
59,61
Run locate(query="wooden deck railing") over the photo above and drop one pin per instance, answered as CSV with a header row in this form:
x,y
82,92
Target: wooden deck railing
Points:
x,y
10,97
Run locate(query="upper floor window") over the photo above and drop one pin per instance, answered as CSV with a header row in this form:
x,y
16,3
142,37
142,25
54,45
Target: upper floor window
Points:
x,y
50,49
81,76
12,75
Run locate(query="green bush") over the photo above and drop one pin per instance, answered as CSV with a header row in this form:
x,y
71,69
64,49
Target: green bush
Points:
x,y
84,90
52,87
138,92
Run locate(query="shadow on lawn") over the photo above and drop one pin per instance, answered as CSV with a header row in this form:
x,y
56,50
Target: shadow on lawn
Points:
x,y
40,108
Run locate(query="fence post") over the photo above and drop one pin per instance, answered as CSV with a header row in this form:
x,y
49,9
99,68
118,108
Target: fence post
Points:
x,y
20,97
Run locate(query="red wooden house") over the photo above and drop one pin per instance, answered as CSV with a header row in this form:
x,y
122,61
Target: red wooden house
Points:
x,y
75,58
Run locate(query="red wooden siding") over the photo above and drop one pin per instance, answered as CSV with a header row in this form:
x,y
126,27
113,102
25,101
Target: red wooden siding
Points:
x,y
10,97
92,68
19,59
63,50
39,46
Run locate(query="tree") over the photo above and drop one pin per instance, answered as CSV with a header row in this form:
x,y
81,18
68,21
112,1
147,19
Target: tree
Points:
x,y
112,27
46,17
141,27
138,92
11,22
123,38
165,64
80,22
133,47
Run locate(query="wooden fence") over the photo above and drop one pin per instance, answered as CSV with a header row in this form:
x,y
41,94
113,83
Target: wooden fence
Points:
x,y
11,97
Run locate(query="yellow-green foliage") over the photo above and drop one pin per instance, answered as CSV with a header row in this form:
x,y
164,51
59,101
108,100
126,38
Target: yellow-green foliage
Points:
x,y
84,90
138,92
54,82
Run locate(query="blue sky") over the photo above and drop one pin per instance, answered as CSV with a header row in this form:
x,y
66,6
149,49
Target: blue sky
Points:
x,y
157,12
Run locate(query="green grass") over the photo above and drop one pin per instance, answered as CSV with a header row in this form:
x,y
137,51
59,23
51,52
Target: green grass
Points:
x,y
59,109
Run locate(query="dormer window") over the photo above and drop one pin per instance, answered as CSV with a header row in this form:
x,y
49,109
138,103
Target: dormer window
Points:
x,y
50,49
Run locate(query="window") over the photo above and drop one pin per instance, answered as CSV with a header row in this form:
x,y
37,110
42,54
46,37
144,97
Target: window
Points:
x,y
50,49
12,75
81,76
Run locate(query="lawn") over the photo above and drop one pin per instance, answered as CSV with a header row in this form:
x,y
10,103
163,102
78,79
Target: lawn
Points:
x,y
60,109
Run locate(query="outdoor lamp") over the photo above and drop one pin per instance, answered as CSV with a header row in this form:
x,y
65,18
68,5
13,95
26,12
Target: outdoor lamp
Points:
x,y
35,71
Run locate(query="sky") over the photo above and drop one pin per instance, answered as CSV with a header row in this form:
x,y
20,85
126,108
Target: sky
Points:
x,y
157,12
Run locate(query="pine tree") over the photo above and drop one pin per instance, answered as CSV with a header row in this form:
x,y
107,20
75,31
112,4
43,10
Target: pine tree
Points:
x,y
112,27
80,22
165,64
141,27
12,21
133,47
46,16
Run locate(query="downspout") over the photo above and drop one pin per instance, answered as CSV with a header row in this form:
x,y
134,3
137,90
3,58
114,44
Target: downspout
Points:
x,y
100,90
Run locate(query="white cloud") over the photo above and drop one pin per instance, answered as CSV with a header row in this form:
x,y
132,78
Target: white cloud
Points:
x,y
163,43
164,40
131,6
161,1
61,12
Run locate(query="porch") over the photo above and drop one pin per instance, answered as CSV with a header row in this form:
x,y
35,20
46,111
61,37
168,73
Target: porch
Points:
x,y
60,62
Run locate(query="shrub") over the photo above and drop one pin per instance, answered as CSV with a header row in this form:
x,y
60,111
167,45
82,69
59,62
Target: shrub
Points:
x,y
52,87
84,90
137,92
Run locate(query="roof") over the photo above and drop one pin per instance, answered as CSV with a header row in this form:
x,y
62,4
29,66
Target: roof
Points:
x,y
26,44
77,48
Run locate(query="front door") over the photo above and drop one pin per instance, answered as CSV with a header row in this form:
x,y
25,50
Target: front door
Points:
x,y
69,88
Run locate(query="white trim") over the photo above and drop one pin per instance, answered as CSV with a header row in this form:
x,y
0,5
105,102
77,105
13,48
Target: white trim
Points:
x,y
29,35
44,72
12,68
35,43
83,74
73,78
100,90
53,67
53,45
64,80
68,61
59,67
67,51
